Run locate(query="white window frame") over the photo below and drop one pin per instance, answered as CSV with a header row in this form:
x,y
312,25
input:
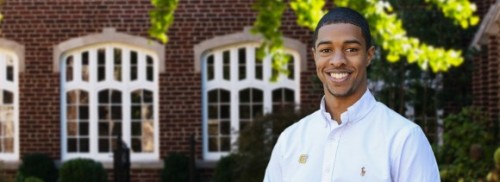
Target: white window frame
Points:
x,y
93,87
235,85
14,88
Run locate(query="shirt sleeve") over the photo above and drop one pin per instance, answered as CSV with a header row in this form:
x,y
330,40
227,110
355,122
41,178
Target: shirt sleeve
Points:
x,y
273,170
414,159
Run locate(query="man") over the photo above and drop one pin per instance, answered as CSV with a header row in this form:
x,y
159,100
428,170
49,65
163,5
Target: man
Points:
x,y
352,137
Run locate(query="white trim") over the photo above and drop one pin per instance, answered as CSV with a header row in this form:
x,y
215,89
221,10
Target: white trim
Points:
x,y
490,25
244,37
235,86
109,35
14,88
125,86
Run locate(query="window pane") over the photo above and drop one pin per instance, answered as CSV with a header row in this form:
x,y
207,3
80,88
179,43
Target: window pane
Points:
x,y
84,97
290,67
83,112
117,53
149,68
72,128
277,95
116,97
289,96
212,96
258,66
213,144
83,128
133,65
226,65
210,68
225,96
104,145
257,95
69,68
101,64
225,112
84,145
213,128
72,146
85,66
242,61
136,129
136,97
225,144
10,73
148,96
147,136
9,145
104,128
103,97
245,95
225,127
103,112
8,97
136,144
136,112
116,112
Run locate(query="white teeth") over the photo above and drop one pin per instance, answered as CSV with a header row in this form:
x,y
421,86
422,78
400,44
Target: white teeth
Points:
x,y
338,75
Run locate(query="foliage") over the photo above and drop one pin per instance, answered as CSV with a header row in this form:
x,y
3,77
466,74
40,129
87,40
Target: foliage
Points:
x,y
33,179
267,24
466,142
37,165
176,168
82,170
494,175
385,25
227,169
161,18
256,142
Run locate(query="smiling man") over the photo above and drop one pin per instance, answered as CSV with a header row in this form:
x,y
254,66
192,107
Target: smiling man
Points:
x,y
352,137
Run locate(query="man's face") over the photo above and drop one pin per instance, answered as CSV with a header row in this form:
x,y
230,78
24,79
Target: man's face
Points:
x,y
341,59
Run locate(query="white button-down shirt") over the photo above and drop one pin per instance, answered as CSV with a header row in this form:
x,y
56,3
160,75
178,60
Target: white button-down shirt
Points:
x,y
373,143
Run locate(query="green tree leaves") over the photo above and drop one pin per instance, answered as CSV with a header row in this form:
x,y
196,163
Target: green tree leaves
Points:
x,y
161,17
386,27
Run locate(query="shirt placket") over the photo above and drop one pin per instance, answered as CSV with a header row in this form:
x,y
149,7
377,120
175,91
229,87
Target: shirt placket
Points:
x,y
330,153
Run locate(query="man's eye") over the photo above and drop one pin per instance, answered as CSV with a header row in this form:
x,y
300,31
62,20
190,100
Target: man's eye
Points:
x,y
325,50
351,50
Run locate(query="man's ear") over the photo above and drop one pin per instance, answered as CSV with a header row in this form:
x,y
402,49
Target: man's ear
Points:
x,y
371,55
313,50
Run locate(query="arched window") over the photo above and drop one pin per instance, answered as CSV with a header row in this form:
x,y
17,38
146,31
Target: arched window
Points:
x,y
237,88
9,102
109,89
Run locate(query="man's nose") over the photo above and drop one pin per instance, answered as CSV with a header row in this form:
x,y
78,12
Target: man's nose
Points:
x,y
338,59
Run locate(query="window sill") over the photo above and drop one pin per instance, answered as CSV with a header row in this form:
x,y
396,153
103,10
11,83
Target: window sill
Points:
x,y
154,164
9,165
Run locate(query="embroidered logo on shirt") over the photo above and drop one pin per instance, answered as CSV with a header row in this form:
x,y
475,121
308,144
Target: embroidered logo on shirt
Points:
x,y
303,159
363,171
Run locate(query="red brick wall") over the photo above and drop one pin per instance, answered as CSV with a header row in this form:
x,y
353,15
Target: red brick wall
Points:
x,y
40,25
485,84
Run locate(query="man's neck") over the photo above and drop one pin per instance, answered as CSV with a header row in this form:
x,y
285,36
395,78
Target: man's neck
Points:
x,y
338,105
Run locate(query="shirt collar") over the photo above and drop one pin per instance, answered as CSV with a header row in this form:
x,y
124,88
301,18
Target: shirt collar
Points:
x,y
354,112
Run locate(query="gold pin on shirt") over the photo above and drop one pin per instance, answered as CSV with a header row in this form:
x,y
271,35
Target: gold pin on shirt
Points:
x,y
363,172
303,159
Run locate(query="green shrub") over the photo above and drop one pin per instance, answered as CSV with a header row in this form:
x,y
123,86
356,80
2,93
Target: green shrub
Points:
x,y
82,170
33,179
176,168
467,141
37,165
257,141
227,169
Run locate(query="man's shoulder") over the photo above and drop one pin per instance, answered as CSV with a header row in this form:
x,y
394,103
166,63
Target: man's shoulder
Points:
x,y
392,118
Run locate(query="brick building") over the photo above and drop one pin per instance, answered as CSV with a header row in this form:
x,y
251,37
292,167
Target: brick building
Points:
x,y
486,72
73,73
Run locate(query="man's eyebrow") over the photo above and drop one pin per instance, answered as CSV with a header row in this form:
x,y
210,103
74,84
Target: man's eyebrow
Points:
x,y
352,42
323,42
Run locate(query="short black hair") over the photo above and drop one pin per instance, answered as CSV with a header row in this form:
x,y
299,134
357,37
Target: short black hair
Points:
x,y
345,15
